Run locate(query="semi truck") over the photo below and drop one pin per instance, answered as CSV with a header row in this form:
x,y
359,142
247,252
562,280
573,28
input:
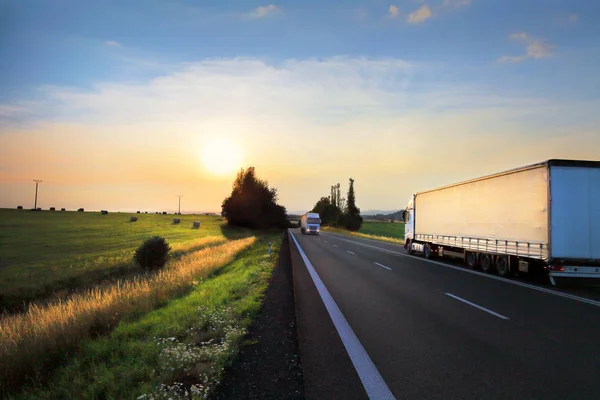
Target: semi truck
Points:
x,y
310,223
544,217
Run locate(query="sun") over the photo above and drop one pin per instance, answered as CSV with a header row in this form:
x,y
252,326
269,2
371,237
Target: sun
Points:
x,y
221,156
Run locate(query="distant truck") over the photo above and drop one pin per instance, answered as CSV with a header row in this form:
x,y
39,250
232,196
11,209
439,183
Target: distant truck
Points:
x,y
544,216
310,223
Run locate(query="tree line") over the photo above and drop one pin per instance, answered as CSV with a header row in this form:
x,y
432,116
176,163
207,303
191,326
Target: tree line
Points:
x,y
334,210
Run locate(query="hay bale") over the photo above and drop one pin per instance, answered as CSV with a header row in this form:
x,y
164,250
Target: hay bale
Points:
x,y
145,212
133,219
176,220
52,209
19,207
164,213
196,224
80,210
63,209
104,212
38,209
138,212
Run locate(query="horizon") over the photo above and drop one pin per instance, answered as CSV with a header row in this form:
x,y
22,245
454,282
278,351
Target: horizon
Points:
x,y
130,108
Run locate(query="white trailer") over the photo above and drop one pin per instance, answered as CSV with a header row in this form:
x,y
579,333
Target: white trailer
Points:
x,y
545,215
310,223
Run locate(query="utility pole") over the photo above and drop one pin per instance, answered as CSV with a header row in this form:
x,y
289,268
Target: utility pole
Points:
x,y
180,196
37,181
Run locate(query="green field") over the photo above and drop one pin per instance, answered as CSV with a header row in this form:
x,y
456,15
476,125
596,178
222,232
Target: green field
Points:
x,y
386,229
49,253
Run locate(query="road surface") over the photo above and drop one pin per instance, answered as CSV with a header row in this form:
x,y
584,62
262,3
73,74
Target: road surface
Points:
x,y
374,322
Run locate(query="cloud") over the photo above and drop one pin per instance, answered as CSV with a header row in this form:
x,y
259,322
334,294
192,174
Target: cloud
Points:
x,y
535,49
264,11
573,18
112,43
115,133
457,3
393,11
419,15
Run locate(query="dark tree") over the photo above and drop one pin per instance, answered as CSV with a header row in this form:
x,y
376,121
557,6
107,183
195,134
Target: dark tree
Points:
x,y
353,219
328,212
253,204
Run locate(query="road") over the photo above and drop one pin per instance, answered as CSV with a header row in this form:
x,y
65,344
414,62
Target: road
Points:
x,y
374,322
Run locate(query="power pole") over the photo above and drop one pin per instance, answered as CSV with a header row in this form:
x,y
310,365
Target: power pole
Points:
x,y
37,181
180,196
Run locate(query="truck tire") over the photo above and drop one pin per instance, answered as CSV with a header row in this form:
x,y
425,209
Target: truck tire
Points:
x,y
502,266
409,248
472,259
487,263
427,251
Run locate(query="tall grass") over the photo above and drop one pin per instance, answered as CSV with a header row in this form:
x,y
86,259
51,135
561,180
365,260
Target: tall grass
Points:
x,y
34,341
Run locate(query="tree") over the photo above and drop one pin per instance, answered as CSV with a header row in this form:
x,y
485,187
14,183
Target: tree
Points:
x,y
253,204
353,220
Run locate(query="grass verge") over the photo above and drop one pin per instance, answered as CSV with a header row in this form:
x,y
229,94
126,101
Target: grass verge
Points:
x,y
362,235
35,341
178,351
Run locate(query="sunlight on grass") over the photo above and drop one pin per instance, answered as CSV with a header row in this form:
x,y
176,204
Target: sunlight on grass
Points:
x,y
33,340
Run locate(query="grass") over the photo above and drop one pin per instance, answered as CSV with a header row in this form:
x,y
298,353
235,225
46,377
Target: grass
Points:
x,y
178,351
51,253
384,231
34,341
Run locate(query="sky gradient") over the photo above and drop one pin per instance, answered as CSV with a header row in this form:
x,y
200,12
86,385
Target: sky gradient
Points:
x,y
111,103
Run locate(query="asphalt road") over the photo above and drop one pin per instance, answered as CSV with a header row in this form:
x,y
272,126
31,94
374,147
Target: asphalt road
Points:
x,y
397,326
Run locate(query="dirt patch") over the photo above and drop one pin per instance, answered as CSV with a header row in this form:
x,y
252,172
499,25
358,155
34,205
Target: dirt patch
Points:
x,y
269,367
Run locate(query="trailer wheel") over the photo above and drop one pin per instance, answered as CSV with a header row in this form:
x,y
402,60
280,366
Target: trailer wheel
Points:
x,y
427,251
472,259
486,263
502,266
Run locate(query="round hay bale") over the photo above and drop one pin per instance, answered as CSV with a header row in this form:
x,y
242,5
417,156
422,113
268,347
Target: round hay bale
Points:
x,y
80,210
176,220
196,224
19,207
104,212
63,209
52,209
133,219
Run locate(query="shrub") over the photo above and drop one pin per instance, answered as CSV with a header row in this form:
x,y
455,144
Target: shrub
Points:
x,y
152,254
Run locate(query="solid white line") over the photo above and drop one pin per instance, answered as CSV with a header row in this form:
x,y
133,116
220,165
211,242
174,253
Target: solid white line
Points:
x,y
350,252
476,306
372,381
381,265
335,245
484,275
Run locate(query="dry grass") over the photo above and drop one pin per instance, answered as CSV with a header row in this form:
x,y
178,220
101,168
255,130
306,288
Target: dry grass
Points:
x,y
33,341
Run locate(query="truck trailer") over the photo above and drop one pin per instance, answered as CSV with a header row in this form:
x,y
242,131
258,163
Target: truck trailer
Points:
x,y
310,223
544,216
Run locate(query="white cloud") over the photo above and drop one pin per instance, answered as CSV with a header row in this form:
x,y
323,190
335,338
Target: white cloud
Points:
x,y
115,132
393,11
264,11
535,49
112,43
420,15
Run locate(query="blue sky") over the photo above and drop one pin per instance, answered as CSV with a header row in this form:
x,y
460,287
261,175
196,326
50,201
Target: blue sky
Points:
x,y
370,72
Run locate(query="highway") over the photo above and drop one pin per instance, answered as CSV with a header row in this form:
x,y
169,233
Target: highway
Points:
x,y
374,322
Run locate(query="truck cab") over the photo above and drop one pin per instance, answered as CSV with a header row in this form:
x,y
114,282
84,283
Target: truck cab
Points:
x,y
310,223
408,215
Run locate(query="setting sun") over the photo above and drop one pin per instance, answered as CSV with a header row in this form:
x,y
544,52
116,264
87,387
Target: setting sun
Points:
x,y
221,156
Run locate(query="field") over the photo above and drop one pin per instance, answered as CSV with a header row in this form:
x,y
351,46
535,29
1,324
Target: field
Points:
x,y
157,332
386,229
49,253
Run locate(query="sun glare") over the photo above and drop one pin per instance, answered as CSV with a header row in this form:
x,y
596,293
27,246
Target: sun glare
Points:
x,y
221,156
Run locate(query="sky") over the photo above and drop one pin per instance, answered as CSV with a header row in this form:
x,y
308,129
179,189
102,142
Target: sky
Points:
x,y
120,105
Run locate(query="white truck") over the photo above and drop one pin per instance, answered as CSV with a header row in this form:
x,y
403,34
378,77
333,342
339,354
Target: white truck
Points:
x,y
544,216
310,223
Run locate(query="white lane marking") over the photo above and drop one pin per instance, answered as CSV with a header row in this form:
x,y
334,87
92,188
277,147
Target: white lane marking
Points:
x,y
372,381
383,266
497,278
350,252
477,306
335,245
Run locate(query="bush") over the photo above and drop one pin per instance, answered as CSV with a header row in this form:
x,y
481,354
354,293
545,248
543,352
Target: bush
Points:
x,y
152,254
353,222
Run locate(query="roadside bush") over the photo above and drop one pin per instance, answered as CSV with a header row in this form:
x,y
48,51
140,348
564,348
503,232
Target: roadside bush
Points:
x,y
152,254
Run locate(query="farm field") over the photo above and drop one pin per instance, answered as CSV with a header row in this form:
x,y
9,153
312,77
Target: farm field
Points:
x,y
49,253
386,229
